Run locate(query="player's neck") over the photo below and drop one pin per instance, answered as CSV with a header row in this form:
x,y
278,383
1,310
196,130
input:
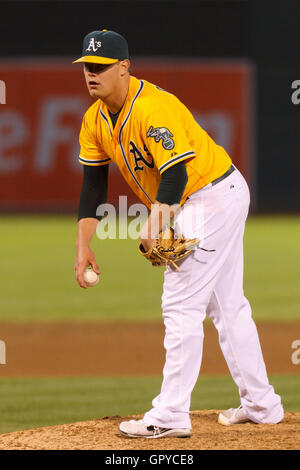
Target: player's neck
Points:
x,y
115,101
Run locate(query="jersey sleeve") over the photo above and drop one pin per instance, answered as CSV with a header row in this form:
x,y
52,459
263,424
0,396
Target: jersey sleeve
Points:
x,y
166,140
91,152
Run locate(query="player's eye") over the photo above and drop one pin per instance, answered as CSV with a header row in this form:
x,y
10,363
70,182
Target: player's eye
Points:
x,y
95,68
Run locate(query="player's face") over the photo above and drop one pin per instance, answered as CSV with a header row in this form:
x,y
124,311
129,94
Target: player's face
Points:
x,y
102,80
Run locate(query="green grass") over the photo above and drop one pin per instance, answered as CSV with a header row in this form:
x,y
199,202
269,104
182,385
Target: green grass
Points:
x,y
36,402
38,279
272,268
38,284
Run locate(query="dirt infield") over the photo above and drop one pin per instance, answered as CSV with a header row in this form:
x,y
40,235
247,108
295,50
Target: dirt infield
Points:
x,y
102,434
137,349
89,349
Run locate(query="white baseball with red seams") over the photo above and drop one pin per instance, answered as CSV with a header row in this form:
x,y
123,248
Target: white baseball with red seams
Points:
x,y
211,283
90,277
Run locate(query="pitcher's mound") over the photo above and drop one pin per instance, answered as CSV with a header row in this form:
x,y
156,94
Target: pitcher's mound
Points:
x,y
103,434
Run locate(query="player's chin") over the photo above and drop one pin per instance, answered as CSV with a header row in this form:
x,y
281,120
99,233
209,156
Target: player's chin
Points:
x,y
94,93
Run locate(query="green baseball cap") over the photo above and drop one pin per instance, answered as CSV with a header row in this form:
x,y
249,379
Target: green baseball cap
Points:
x,y
103,47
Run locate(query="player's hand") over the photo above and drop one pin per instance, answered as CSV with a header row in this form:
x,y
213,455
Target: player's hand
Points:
x,y
84,258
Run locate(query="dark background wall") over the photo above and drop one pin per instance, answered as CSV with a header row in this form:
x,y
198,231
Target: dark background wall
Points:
x,y
265,32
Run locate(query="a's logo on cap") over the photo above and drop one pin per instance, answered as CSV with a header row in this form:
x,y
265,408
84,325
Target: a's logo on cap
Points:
x,y
93,45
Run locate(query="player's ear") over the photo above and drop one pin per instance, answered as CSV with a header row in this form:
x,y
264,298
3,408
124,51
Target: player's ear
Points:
x,y
125,66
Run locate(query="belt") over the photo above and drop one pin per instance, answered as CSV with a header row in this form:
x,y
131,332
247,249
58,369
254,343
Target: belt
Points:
x,y
228,172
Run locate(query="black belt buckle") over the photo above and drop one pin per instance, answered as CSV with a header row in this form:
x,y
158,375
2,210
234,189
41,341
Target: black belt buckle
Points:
x,y
221,178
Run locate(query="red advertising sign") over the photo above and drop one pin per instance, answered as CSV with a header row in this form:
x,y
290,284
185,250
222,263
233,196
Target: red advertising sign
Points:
x,y
44,105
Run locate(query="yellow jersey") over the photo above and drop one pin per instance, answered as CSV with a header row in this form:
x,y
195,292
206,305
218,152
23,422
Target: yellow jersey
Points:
x,y
154,131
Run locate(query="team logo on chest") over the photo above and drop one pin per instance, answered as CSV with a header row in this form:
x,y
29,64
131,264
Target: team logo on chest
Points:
x,y
93,45
163,134
139,158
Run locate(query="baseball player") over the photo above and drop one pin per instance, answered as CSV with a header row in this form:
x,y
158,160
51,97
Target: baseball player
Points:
x,y
170,161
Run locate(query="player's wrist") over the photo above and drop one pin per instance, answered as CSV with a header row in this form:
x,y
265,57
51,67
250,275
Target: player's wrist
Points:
x,y
83,246
148,243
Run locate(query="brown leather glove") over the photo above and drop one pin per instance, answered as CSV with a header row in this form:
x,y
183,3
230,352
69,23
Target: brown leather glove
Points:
x,y
168,249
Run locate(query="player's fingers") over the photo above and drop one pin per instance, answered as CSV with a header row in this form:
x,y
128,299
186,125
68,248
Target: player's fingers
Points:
x,y
82,284
95,267
92,262
79,276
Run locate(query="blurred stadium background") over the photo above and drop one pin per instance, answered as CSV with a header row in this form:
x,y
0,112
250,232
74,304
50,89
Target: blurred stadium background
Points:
x,y
232,63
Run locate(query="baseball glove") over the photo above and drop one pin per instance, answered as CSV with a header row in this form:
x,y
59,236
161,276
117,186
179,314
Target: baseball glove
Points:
x,y
168,249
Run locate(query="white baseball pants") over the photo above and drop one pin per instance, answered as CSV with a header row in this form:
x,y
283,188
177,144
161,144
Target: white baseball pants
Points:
x,y
211,283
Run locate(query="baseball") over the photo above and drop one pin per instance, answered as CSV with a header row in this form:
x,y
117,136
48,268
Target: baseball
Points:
x,y
90,277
